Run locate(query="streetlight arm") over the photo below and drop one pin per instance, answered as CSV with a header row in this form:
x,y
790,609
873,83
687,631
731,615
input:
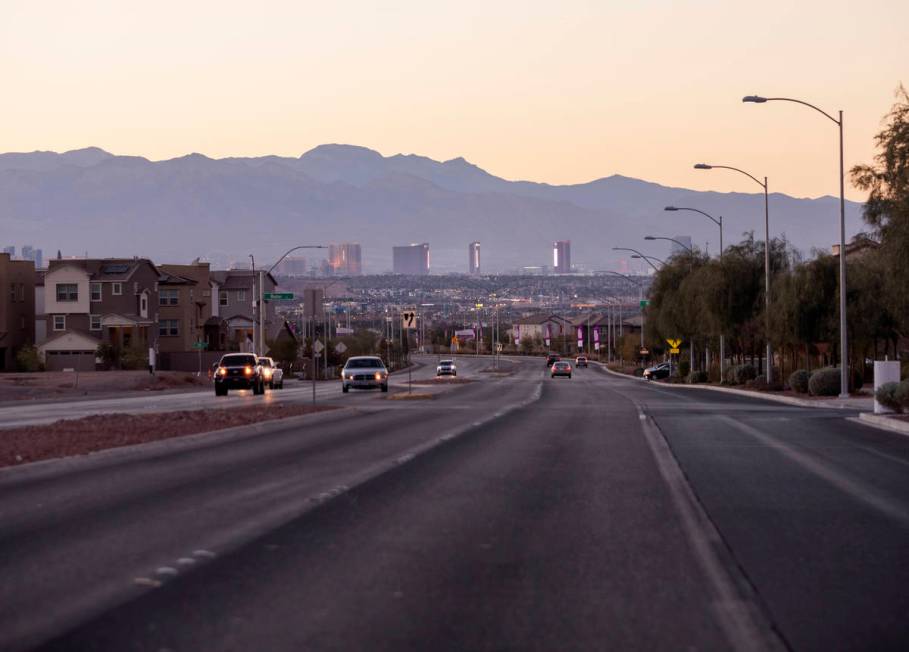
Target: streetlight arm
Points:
x,y
635,251
683,246
808,104
729,167
696,210
625,276
290,251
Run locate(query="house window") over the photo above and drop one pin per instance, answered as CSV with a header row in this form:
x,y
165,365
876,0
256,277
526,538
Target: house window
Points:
x,y
222,298
59,322
241,296
169,327
22,292
116,289
95,291
67,292
143,305
12,292
94,322
168,297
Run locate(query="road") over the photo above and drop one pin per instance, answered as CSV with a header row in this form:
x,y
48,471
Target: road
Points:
x,y
514,512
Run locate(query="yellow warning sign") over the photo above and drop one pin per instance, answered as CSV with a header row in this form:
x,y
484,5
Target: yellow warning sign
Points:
x,y
674,344
674,351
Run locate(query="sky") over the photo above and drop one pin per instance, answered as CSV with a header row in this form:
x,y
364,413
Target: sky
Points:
x,y
560,92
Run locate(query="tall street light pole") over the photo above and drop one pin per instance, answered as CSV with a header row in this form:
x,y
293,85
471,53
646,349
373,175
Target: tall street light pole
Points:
x,y
690,267
640,295
649,258
762,184
844,345
719,223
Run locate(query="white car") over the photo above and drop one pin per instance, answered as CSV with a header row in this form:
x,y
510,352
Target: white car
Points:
x,y
272,374
446,368
364,372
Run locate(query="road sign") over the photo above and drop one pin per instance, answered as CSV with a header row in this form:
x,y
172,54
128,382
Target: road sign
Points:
x,y
340,347
343,330
645,351
645,303
279,296
499,347
200,345
675,351
409,320
318,346
674,344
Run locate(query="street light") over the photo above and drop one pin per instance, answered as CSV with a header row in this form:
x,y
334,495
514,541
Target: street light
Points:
x,y
844,348
635,251
646,258
640,295
705,166
660,237
719,223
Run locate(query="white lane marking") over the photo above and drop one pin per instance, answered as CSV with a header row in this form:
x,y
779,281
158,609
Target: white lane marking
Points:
x,y
185,561
167,570
146,581
743,623
892,458
853,488
204,554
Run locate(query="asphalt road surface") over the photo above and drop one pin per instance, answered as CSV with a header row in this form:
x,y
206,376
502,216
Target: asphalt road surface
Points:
x,y
514,512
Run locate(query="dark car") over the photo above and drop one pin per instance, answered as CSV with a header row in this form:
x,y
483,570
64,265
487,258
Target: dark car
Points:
x,y
239,371
560,368
656,372
552,357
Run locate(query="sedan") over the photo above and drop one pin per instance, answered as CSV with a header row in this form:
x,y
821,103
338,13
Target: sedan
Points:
x,y
364,372
272,373
581,361
656,372
446,368
560,368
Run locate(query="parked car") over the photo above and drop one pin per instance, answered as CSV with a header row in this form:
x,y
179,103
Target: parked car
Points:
x,y
239,371
364,372
446,368
656,372
581,361
552,357
272,373
560,368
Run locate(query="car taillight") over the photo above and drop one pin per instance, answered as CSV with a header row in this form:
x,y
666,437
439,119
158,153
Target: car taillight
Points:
x,y
248,371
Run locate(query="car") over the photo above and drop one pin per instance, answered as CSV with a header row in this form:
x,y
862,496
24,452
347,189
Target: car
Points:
x,y
552,357
272,373
239,371
656,372
446,368
364,372
560,368
581,361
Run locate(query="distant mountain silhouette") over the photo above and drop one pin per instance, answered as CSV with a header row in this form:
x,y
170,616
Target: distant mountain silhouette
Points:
x,y
175,210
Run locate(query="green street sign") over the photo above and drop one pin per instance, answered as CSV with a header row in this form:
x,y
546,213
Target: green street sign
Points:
x,y
279,296
200,345
645,303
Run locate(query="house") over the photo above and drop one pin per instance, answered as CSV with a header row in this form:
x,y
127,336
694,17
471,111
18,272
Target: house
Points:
x,y
235,290
17,308
40,314
92,301
185,307
543,326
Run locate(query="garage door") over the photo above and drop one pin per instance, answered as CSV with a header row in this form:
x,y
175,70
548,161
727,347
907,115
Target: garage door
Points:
x,y
78,360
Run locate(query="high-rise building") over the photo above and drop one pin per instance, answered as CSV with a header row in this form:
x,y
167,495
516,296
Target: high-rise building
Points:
x,y
32,254
473,260
675,248
10,250
411,259
39,259
345,259
293,266
561,256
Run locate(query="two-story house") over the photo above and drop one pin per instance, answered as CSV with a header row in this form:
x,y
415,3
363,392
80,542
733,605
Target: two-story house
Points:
x,y
93,301
235,290
17,308
184,306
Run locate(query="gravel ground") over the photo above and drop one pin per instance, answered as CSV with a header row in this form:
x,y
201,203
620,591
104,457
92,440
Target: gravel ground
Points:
x,y
62,384
81,436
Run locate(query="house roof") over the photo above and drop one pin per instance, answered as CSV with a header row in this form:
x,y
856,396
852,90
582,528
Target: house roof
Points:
x,y
70,341
175,279
236,278
103,269
537,320
114,319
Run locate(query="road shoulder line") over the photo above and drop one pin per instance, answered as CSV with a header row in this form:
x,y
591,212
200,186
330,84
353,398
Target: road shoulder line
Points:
x,y
882,423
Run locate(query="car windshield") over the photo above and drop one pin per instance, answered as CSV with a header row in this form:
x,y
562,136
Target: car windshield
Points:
x,y
364,363
446,363
265,362
239,360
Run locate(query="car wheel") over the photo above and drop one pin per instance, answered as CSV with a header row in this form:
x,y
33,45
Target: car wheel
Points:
x,y
220,392
385,388
345,388
569,376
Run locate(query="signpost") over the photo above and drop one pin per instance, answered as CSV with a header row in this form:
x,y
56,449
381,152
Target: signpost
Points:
x,y
200,346
279,296
316,350
673,349
408,320
644,303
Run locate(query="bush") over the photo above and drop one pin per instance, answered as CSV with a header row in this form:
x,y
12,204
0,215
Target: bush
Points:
x,y
798,381
824,382
886,396
134,358
902,394
742,373
684,368
639,372
697,377
857,379
27,359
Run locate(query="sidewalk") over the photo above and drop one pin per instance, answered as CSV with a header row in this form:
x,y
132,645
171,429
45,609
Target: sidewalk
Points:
x,y
861,404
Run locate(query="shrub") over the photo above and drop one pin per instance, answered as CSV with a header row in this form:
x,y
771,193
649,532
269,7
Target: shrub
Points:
x,y
109,354
684,368
27,359
824,382
639,372
134,358
798,381
902,394
742,373
886,396
857,379
697,377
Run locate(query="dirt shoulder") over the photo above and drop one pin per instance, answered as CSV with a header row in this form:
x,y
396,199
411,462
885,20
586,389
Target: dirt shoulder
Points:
x,y
55,385
81,436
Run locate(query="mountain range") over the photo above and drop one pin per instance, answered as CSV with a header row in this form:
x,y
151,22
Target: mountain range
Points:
x,y
89,200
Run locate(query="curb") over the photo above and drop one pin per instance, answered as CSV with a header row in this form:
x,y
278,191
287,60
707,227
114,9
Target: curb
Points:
x,y
882,422
788,400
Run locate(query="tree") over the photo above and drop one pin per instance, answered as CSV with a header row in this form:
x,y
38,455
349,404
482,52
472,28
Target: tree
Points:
x,y
887,208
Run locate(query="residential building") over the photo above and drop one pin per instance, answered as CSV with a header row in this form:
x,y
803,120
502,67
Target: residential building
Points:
x,y
473,258
345,259
541,326
92,301
17,308
184,308
40,314
561,256
411,259
236,290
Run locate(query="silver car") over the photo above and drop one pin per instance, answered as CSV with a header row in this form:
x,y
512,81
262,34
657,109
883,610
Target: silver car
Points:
x,y
364,372
446,368
272,373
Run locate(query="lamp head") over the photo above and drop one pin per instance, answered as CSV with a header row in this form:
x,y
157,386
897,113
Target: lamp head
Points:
x,y
702,166
754,99
649,237
670,208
